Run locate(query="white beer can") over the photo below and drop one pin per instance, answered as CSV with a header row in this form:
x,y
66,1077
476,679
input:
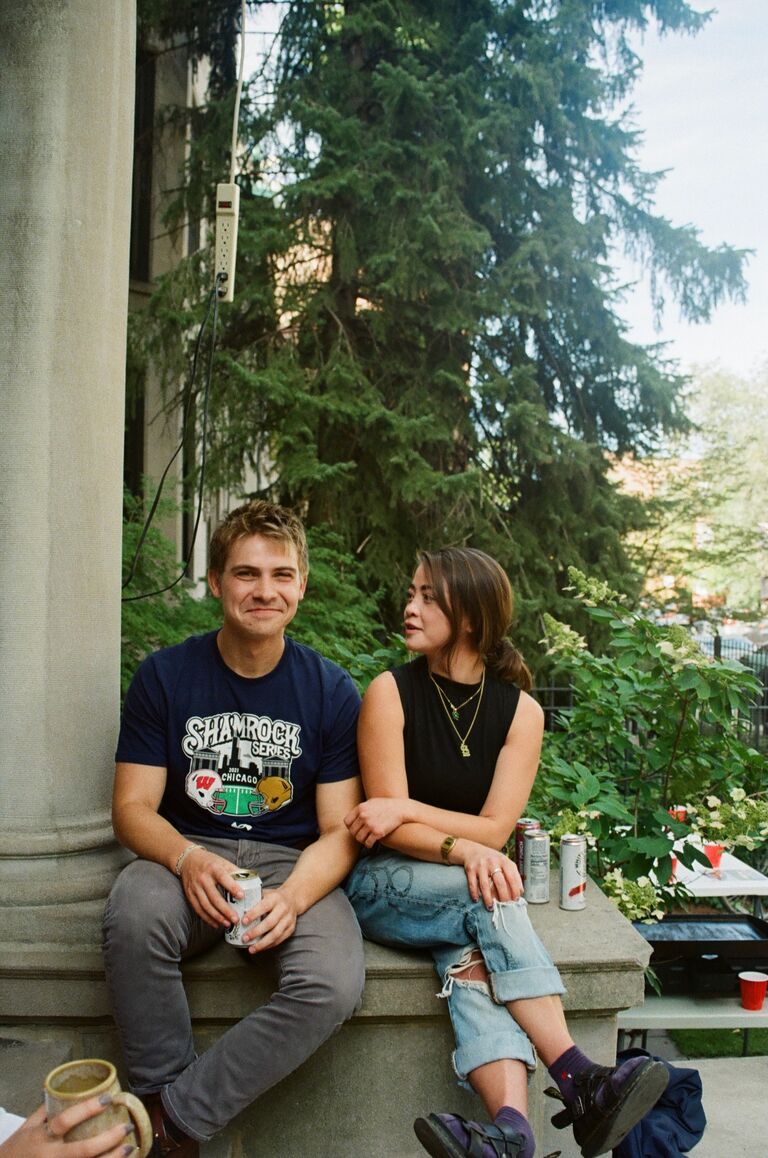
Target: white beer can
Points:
x,y
250,882
573,871
536,866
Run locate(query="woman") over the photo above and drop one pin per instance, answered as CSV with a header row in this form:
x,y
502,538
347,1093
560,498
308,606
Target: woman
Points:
x,y
449,749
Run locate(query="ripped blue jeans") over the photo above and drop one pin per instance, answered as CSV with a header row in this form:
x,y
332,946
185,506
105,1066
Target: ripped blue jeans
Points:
x,y
416,904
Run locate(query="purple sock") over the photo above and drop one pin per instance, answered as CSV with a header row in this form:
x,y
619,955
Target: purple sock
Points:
x,y
564,1070
520,1123
573,1062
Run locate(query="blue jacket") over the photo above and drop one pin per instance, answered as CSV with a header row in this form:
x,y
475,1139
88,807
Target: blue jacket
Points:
x,y
675,1124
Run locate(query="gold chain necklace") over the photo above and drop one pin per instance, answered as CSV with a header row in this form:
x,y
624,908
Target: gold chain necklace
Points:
x,y
463,748
456,708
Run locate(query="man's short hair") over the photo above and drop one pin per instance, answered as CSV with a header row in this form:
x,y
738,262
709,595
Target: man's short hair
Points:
x,y
258,517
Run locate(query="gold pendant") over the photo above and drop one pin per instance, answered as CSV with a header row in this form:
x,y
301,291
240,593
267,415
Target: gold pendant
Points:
x,y
464,750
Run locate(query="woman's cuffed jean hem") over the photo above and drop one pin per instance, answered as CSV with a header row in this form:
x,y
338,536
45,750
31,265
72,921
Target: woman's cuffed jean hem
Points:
x,y
524,984
491,1048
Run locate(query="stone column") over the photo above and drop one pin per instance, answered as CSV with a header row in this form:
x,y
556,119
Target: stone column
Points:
x,y
66,140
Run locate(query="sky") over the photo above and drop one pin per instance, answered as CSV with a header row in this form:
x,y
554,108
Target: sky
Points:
x,y
702,104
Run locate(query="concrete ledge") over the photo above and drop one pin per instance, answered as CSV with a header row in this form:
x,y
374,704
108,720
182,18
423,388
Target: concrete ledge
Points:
x,y
599,954
389,1064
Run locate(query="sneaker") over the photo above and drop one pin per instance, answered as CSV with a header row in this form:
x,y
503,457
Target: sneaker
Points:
x,y
451,1136
611,1100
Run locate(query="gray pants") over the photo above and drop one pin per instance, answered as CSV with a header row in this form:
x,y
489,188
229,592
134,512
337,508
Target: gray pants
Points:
x,y
149,928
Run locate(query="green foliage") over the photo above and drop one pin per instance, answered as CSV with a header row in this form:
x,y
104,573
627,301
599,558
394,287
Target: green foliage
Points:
x,y
160,620
733,435
338,618
365,666
654,722
206,27
637,900
424,347
706,534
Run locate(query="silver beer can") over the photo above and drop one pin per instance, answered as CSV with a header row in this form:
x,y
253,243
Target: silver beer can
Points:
x,y
522,826
573,871
250,882
536,866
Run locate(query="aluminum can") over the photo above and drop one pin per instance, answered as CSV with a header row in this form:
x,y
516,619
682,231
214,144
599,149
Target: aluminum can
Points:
x,y
536,866
250,882
573,871
522,826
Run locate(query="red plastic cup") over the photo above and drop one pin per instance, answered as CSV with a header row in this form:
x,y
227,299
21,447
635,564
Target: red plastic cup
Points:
x,y
753,986
714,854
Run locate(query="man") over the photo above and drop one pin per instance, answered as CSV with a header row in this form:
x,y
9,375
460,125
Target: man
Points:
x,y
236,750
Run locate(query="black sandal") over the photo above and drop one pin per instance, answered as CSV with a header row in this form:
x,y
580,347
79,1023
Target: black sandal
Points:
x,y
437,1139
600,1128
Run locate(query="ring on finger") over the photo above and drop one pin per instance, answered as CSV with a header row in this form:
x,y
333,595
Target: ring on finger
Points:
x,y
495,871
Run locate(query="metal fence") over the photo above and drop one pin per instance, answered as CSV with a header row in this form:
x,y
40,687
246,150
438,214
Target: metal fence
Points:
x,y
554,699
558,699
754,725
735,647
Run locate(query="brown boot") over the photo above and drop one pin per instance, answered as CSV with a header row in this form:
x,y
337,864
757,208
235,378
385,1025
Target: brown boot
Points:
x,y
169,1140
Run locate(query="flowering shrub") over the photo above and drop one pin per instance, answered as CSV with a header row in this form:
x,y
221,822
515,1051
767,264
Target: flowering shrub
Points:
x,y
655,721
576,822
637,900
741,821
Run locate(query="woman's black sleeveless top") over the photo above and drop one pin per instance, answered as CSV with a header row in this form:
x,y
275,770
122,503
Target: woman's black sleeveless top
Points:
x,y
437,772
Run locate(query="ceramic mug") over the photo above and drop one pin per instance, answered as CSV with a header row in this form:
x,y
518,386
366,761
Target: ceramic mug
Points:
x,y
76,1081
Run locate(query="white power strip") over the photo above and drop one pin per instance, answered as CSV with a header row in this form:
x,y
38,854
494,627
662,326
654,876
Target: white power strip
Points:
x,y
227,212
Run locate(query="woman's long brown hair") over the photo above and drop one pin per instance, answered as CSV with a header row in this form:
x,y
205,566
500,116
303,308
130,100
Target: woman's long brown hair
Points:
x,y
472,588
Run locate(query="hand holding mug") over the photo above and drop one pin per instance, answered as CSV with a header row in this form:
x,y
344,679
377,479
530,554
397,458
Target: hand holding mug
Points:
x,y
40,1138
72,1085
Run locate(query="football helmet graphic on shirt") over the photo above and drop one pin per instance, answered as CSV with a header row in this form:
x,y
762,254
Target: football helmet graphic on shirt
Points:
x,y
276,791
204,786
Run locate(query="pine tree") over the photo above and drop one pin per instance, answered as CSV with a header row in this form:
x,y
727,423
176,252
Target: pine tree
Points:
x,y
424,346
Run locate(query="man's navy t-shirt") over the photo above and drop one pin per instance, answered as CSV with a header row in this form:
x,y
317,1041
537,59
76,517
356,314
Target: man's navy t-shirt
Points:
x,y
243,756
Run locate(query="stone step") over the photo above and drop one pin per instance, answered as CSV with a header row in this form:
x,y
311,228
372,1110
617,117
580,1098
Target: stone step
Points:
x,y
23,1066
